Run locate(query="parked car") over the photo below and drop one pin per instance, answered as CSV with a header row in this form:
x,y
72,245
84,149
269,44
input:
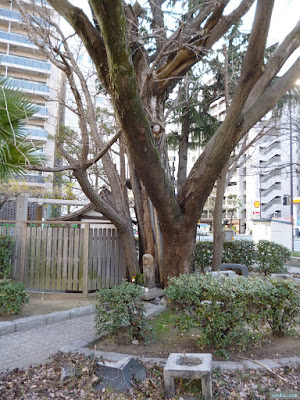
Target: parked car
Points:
x,y
203,229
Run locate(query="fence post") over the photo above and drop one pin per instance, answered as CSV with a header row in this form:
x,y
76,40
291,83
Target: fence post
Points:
x,y
20,246
23,250
85,260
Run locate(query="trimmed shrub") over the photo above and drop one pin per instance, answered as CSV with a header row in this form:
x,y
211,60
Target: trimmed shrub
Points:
x,y
238,252
6,248
121,305
231,312
203,254
13,296
282,300
271,257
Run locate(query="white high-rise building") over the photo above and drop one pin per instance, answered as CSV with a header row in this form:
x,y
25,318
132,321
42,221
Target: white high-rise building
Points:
x,y
31,72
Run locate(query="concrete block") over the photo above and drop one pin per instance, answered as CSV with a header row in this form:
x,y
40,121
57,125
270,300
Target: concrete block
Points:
x,y
154,311
57,316
268,363
25,324
227,365
230,273
7,327
282,276
118,376
191,366
67,373
153,293
289,361
239,269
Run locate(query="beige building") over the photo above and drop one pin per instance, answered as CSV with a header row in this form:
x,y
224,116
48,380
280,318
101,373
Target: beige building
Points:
x,y
31,72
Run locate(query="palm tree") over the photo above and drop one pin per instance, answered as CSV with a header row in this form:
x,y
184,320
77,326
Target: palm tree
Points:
x,y
15,151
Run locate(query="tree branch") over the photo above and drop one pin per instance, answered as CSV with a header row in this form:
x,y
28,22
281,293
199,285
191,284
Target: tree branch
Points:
x,y
103,151
88,34
273,66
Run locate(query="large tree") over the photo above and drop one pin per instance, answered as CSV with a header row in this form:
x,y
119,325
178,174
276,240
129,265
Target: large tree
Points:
x,y
139,78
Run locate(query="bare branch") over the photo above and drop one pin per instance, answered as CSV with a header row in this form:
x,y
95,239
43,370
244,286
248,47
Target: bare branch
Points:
x,y
103,151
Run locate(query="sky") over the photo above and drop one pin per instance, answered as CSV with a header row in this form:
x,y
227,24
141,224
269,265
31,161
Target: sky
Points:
x,y
285,16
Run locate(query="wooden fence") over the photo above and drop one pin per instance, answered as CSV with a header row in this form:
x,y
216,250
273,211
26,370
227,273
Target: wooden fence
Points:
x,y
65,258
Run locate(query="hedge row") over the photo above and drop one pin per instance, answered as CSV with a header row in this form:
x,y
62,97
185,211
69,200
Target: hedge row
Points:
x,y
13,294
232,312
269,256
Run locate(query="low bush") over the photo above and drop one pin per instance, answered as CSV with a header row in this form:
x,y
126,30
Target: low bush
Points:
x,y
6,248
13,296
231,312
238,252
282,302
121,305
270,257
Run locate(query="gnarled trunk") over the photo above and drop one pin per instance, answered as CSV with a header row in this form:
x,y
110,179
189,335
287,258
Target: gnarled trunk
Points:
x,y
219,235
179,251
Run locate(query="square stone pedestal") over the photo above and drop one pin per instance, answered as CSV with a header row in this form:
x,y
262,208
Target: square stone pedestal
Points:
x,y
191,366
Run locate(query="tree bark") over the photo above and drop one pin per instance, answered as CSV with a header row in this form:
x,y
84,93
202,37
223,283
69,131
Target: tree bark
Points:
x,y
219,235
183,150
179,250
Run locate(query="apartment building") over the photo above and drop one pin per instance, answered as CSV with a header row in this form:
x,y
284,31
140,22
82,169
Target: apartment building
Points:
x,y
29,70
261,186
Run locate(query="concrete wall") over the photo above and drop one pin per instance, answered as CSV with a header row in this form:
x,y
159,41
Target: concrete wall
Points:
x,y
275,231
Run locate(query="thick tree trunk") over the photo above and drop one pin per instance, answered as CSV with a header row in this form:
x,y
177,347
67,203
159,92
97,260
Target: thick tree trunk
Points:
x,y
179,251
129,251
219,235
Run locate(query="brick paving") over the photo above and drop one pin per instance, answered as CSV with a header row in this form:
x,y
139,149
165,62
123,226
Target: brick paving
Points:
x,y
34,346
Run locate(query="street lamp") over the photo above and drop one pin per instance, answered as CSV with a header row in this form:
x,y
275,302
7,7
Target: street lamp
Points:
x,y
291,171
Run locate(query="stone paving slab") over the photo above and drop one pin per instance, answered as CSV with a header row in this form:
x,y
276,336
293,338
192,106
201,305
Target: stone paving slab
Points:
x,y
34,345
35,321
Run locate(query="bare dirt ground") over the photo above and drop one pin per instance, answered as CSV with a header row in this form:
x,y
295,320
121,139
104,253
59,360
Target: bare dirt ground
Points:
x,y
173,341
45,304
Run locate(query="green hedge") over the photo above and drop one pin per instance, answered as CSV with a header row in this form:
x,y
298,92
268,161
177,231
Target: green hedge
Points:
x,y
13,296
6,248
238,251
231,312
271,257
121,305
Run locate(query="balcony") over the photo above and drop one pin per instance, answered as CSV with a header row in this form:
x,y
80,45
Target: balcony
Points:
x,y
42,112
16,39
9,15
35,133
25,63
31,87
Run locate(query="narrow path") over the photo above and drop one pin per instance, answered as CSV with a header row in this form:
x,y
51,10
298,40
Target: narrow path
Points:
x,y
22,349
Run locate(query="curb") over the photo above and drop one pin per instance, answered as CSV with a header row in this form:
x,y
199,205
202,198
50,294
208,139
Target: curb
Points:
x,y
24,324
81,347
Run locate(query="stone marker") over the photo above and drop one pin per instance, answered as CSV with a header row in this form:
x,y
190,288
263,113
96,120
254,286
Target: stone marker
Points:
x,y
67,373
191,366
149,271
239,269
118,376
